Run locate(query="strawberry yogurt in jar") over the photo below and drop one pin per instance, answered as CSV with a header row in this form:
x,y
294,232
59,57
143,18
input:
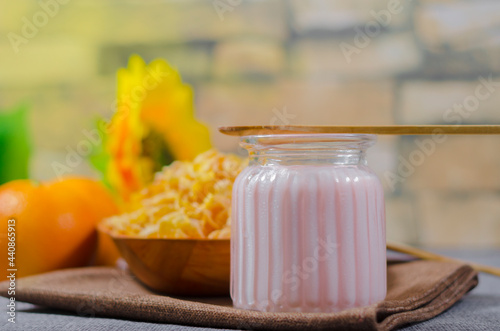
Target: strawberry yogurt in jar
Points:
x,y
308,225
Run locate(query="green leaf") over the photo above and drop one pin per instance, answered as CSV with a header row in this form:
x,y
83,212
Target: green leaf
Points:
x,y
15,144
100,158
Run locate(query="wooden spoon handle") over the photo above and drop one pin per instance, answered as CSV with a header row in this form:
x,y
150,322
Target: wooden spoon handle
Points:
x,y
425,255
381,129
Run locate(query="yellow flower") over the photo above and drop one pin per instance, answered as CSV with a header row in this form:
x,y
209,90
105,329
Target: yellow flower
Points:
x,y
154,124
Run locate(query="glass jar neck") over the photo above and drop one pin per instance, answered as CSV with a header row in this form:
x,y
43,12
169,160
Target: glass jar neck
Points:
x,y
347,157
308,149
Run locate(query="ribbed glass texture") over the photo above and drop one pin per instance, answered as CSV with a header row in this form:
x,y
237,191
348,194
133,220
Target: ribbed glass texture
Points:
x,y
308,226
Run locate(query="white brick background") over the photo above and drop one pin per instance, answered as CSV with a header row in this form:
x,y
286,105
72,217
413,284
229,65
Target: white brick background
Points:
x,y
274,54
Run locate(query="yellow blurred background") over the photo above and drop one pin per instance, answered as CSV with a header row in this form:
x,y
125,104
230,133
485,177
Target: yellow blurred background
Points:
x,y
285,62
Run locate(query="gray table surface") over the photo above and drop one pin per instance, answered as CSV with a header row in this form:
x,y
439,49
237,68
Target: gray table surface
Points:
x,y
479,310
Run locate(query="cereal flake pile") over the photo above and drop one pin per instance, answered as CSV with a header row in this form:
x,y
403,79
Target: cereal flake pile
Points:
x,y
185,200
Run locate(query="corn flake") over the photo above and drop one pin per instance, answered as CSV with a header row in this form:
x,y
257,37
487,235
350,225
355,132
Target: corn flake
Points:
x,y
185,200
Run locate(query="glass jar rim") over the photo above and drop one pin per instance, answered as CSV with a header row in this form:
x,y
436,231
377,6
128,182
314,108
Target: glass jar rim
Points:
x,y
323,141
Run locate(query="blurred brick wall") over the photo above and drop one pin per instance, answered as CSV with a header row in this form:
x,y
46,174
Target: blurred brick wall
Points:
x,y
289,62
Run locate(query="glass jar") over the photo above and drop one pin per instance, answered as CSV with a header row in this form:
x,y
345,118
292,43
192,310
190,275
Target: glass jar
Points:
x,y
308,225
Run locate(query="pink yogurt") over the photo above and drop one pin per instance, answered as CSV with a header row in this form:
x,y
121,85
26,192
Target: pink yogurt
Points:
x,y
308,232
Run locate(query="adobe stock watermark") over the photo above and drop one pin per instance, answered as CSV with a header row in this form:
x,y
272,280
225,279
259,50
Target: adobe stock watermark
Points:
x,y
11,270
455,114
221,7
293,277
75,155
372,29
32,25
281,117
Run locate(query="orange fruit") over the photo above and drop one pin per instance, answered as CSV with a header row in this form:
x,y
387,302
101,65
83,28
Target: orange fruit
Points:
x,y
54,223
107,253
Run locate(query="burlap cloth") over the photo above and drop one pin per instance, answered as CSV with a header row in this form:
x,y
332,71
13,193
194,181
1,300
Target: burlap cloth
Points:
x,y
417,291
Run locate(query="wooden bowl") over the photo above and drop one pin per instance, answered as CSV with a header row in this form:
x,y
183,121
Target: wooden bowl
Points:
x,y
184,267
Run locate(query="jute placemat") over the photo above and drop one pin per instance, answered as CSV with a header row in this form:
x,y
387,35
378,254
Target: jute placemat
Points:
x,y
417,291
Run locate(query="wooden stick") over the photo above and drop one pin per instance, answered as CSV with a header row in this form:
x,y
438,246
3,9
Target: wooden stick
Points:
x,y
425,255
389,129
